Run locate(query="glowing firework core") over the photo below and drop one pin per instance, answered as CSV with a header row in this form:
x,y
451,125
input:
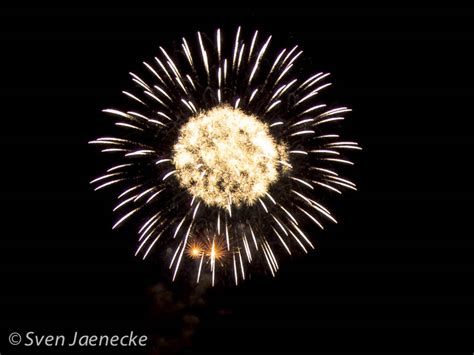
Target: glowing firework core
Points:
x,y
225,156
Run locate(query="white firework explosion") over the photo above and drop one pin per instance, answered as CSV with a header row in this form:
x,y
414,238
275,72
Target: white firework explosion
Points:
x,y
224,156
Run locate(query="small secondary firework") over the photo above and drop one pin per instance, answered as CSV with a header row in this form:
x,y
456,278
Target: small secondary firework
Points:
x,y
224,156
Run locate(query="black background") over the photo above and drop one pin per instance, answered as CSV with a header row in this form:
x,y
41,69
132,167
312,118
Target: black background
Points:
x,y
394,275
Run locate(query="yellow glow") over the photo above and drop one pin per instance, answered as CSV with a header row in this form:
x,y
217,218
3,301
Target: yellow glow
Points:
x,y
215,250
225,156
195,250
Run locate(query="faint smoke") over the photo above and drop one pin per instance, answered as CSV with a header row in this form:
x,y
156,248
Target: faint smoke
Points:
x,y
175,315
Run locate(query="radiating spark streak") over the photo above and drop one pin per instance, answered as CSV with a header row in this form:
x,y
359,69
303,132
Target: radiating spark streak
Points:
x,y
133,97
108,184
151,69
343,161
253,237
282,241
302,234
155,98
343,143
143,85
253,95
270,266
271,198
278,123
299,133
295,237
342,184
187,52
164,68
289,54
218,35
126,192
171,63
104,177
283,73
239,60
302,182
139,196
152,244
187,105
273,105
225,70
324,170
280,225
254,39
147,223
163,92
311,109
242,266
301,152
311,217
307,120
327,186
315,205
263,205
146,118
175,254
348,182
143,242
335,111
271,256
117,167
314,81
164,115
289,214
145,231
127,125
140,152
105,142
191,81
348,147
152,197
288,86
227,238
236,278
117,113
123,203
311,78
162,161
200,268
196,209
247,248
324,151
182,251
138,79
121,220
237,102
332,119
167,175
259,57
114,150
204,54
178,227
277,60
236,47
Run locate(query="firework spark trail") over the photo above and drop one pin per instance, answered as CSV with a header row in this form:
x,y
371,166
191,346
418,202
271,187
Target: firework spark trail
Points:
x,y
224,154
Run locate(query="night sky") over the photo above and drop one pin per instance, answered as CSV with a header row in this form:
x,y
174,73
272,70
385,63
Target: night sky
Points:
x,y
394,276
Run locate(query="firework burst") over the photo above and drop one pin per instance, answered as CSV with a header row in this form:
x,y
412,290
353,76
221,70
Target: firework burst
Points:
x,y
224,156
